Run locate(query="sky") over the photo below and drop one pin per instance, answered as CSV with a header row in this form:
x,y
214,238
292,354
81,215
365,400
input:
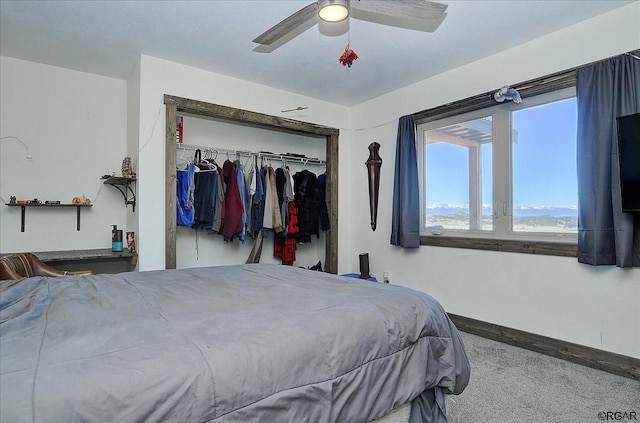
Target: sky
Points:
x,y
544,161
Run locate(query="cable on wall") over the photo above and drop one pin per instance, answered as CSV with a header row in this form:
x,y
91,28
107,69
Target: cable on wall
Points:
x,y
153,128
389,122
18,140
7,139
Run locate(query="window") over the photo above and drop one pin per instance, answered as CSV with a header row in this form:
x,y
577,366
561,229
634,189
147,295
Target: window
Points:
x,y
504,171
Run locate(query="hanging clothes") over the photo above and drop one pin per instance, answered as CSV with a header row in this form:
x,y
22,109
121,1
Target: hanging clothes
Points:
x,y
204,193
271,219
256,251
292,225
242,190
323,211
288,186
267,219
280,181
184,200
275,209
233,209
257,207
236,199
204,204
219,205
285,195
306,200
250,183
284,246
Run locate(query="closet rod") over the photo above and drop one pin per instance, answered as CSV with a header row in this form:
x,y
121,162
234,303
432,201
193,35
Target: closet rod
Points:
x,y
191,147
298,159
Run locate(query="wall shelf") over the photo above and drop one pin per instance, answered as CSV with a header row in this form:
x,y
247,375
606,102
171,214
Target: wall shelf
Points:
x,y
97,259
24,207
97,254
123,184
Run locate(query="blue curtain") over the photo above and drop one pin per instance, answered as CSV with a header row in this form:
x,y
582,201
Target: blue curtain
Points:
x,y
405,223
605,90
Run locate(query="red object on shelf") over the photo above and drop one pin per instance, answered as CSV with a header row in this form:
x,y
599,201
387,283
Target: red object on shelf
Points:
x,y
179,131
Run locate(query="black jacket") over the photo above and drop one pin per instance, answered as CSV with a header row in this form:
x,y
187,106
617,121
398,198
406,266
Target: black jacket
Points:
x,y
306,197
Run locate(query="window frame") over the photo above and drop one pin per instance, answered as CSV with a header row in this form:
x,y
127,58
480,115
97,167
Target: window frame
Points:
x,y
547,89
421,131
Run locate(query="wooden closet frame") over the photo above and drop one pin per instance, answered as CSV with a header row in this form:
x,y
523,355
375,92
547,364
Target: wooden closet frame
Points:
x,y
175,105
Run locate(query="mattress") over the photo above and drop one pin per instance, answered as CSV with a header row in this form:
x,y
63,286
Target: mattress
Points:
x,y
226,344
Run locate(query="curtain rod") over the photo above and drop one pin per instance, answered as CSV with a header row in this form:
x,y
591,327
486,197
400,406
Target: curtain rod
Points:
x,y
633,54
245,153
541,85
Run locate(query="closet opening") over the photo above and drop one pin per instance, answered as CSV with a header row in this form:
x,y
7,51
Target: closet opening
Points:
x,y
229,116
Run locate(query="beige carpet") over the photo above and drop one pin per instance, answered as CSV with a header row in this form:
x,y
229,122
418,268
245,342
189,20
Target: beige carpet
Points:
x,y
513,385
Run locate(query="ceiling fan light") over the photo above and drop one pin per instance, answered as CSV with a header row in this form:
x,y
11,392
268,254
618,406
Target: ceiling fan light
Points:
x,y
333,10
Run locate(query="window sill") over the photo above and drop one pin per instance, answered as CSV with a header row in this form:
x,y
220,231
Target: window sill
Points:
x,y
564,249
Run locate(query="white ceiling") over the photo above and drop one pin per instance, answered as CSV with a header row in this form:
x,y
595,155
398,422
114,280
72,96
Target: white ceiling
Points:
x,y
107,37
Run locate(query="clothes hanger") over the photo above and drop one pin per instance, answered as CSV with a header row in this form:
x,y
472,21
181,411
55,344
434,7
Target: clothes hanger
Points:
x,y
208,161
200,164
211,158
182,159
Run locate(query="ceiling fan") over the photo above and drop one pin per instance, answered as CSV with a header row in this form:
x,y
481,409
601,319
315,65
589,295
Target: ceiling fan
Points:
x,y
421,15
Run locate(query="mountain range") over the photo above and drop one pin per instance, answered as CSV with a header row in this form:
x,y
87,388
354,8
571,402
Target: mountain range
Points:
x,y
522,211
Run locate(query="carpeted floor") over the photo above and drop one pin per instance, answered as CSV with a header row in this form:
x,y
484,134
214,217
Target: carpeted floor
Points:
x,y
513,385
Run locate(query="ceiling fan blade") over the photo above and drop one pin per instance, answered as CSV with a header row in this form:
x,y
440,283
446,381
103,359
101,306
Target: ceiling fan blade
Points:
x,y
409,9
287,25
421,15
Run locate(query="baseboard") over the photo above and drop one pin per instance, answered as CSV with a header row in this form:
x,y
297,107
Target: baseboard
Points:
x,y
591,357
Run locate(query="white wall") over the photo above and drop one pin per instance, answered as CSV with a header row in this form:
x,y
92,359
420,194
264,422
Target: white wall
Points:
x,y
159,77
551,296
75,126
133,141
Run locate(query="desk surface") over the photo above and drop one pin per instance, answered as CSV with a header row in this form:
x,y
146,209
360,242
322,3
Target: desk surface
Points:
x,y
101,254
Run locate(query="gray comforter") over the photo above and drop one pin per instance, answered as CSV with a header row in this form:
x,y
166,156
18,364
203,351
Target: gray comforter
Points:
x,y
250,343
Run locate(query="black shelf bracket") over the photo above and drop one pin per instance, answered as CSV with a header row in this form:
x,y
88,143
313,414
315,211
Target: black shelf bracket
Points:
x,y
23,211
123,184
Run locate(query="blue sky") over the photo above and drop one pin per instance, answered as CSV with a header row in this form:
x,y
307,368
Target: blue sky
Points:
x,y
544,161
544,164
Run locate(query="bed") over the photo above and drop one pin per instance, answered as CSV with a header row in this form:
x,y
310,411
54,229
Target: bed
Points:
x,y
225,344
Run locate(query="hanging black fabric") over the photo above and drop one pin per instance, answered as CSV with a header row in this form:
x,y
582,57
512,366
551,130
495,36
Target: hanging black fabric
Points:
x,y
323,211
204,195
280,181
306,200
257,208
